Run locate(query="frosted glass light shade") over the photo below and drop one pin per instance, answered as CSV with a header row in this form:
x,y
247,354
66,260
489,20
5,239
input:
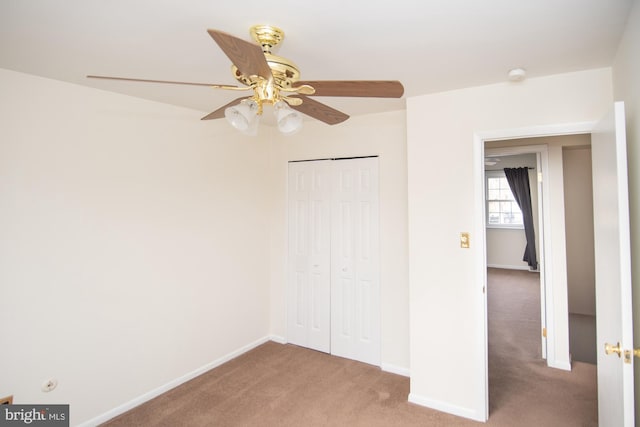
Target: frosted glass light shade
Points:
x,y
244,116
289,121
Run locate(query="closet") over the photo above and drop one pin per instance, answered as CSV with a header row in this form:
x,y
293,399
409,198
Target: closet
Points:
x,y
333,270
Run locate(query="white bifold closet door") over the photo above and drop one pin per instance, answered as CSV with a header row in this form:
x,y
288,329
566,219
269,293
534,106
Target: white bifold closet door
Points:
x,y
334,287
309,301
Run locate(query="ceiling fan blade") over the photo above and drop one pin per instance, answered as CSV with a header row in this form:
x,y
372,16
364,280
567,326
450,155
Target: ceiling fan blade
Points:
x,y
168,82
248,57
219,113
319,111
360,88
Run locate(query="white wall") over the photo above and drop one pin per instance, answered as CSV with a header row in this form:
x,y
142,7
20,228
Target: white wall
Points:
x,y
379,134
447,305
505,247
578,208
626,87
133,242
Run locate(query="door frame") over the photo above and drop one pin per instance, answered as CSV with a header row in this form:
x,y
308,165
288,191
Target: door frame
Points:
x,y
479,139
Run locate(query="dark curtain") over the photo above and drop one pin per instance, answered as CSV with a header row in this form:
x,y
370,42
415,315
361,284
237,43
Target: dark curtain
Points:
x,y
518,179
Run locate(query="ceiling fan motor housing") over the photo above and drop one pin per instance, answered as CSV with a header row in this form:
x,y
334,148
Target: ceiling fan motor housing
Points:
x,y
285,73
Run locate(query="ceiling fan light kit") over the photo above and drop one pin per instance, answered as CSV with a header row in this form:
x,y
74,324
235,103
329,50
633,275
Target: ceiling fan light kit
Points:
x,y
289,121
276,80
244,116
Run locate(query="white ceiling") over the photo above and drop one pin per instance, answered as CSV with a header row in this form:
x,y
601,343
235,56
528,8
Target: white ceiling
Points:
x,y
429,45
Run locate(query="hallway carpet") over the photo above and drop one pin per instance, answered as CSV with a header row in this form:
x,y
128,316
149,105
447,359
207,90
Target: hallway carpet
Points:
x,y
286,385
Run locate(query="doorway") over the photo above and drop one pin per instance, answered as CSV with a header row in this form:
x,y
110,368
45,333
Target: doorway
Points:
x,y
506,239
333,274
565,185
553,248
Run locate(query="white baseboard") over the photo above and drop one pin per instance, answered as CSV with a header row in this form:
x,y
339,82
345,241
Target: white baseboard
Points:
x,y
398,370
278,339
565,366
173,384
446,407
509,267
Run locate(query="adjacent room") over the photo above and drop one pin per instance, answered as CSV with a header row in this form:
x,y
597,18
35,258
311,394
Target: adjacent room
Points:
x,y
277,193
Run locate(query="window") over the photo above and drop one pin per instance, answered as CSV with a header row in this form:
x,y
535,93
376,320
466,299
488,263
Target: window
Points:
x,y
502,208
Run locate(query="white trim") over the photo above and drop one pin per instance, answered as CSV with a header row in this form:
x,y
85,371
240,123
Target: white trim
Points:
x,y
446,407
512,151
102,418
505,226
278,339
544,235
564,365
482,340
509,267
393,369
535,131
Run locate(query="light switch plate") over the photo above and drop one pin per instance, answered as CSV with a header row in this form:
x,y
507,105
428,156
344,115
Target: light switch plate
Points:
x,y
464,240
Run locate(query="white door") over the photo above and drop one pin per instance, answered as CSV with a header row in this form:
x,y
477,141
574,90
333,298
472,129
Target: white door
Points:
x,y
613,270
355,287
308,305
334,288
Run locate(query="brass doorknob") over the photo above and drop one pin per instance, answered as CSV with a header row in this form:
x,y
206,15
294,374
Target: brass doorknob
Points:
x,y
628,356
610,348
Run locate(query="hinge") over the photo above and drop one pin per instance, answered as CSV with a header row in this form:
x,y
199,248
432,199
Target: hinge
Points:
x,y
544,332
539,176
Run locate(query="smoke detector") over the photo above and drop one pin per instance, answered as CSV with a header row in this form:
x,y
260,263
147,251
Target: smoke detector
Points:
x,y
517,74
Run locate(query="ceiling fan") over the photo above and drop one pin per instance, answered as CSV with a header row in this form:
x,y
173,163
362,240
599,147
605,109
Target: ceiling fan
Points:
x,y
276,80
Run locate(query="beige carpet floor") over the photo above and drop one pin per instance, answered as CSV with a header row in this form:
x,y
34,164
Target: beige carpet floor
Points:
x,y
521,386
285,385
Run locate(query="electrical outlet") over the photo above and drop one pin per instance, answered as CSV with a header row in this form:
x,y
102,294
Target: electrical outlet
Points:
x,y
49,385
